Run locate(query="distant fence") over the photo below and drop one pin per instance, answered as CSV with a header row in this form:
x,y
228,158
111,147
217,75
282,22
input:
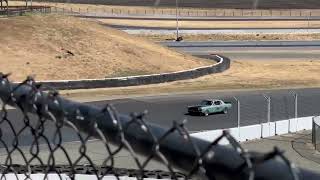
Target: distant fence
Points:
x,y
191,13
20,10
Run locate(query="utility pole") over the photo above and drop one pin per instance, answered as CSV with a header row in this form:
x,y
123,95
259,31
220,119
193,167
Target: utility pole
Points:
x,y
178,38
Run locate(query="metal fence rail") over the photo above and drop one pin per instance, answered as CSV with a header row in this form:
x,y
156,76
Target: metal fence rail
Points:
x,y
173,147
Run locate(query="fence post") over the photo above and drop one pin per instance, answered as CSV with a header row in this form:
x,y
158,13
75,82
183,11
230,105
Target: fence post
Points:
x,y
296,110
295,96
268,98
313,132
238,117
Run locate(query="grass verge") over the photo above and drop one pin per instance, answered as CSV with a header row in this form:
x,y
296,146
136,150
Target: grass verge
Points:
x,y
242,75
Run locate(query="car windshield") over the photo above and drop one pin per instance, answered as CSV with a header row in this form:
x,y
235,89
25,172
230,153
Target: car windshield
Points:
x,y
207,103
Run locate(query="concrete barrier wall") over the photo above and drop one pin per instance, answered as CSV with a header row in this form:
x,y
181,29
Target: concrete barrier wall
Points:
x,y
222,65
259,131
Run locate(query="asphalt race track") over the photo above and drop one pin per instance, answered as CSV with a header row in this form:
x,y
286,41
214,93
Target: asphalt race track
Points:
x,y
234,4
252,50
163,110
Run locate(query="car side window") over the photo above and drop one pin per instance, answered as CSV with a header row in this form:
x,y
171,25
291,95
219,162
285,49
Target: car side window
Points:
x,y
217,103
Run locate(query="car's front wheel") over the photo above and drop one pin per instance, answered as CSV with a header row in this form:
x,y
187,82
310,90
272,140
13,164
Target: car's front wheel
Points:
x,y
206,113
225,111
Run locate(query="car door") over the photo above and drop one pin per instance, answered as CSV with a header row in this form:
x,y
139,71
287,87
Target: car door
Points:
x,y
210,107
218,106
213,107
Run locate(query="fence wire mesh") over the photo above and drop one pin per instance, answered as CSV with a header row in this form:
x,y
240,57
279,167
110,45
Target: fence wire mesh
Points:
x,y
34,143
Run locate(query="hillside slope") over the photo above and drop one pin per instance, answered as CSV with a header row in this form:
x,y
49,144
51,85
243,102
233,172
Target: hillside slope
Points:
x,y
53,47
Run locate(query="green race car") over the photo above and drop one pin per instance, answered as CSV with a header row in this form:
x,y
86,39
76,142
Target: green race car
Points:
x,y
209,106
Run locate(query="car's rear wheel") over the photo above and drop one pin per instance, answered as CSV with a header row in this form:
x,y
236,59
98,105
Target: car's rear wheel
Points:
x,y
206,113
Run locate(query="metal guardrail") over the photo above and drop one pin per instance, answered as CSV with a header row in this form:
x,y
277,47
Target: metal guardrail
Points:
x,y
173,147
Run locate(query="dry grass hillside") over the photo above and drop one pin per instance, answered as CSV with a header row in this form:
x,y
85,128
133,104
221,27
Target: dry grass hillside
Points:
x,y
53,47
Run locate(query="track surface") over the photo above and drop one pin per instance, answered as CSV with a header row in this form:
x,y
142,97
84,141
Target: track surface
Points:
x,y
165,109
236,4
252,50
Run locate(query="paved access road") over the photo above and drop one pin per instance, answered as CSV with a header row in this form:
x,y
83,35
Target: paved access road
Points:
x,y
236,4
252,50
166,17
163,110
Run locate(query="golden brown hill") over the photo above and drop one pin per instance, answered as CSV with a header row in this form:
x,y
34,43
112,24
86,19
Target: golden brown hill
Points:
x,y
53,47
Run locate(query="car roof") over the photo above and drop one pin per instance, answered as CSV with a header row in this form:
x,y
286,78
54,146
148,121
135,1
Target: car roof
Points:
x,y
212,100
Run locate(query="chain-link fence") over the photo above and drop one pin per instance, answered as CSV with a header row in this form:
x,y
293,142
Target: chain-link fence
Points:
x,y
35,143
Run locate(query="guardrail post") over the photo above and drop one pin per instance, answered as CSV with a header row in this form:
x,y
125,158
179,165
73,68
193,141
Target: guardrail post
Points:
x,y
268,98
238,116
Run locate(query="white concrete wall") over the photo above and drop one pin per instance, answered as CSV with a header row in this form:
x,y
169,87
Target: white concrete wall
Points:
x,y
259,130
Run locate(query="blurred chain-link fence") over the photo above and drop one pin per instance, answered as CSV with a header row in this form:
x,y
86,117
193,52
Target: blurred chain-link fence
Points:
x,y
35,145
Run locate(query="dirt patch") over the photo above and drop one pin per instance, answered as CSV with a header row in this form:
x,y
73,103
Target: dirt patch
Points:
x,y
53,47
242,75
239,37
